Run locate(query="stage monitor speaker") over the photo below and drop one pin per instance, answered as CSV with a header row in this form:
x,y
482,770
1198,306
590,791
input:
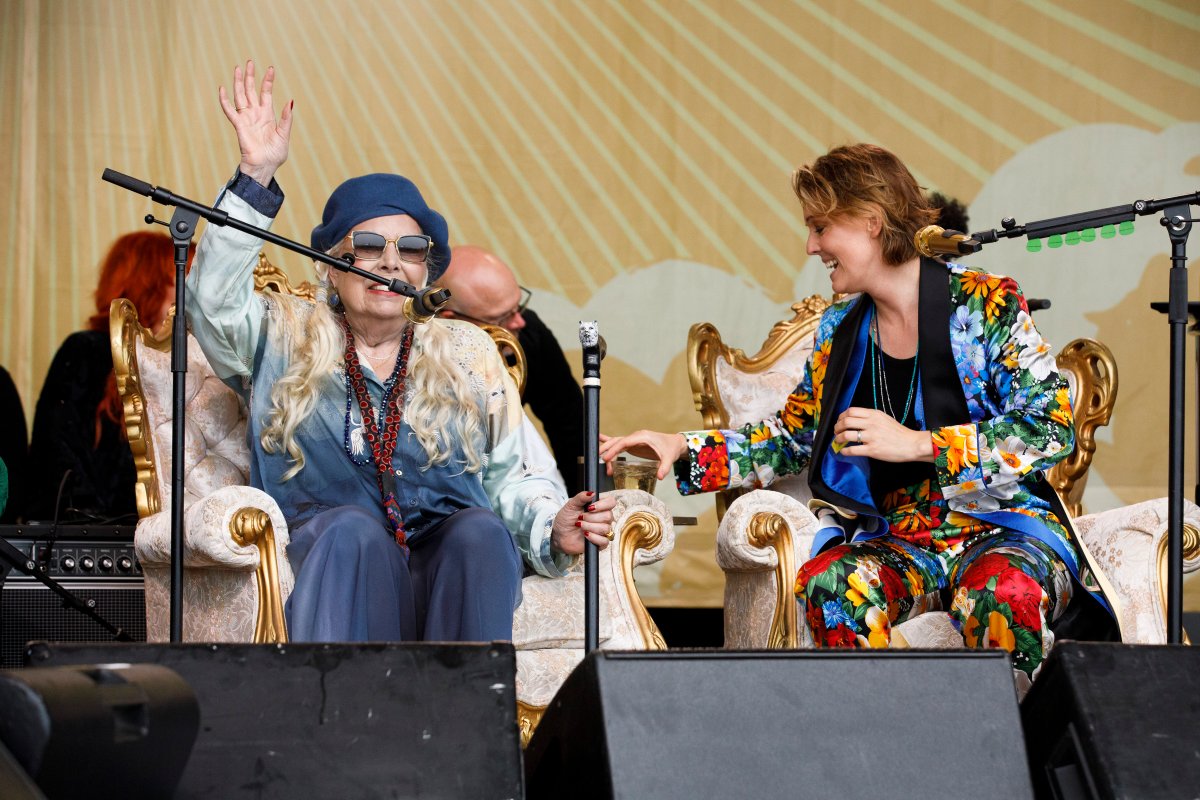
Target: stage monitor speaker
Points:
x,y
95,564
111,730
1113,720
817,723
339,720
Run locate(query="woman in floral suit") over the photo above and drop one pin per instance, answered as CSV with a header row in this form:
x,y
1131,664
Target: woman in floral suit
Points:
x,y
927,414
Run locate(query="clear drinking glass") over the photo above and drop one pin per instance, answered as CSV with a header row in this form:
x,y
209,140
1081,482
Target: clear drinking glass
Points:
x,y
635,473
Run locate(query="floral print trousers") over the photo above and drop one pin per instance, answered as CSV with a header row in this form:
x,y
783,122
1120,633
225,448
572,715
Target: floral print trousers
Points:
x,y
1002,588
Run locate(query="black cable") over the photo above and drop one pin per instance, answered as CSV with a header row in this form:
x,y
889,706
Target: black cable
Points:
x,y
53,535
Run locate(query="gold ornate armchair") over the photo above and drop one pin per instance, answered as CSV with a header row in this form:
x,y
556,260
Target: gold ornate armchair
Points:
x,y
764,535
236,572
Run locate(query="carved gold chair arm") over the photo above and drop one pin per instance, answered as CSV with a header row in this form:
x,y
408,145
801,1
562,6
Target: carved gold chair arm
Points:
x,y
1095,371
760,542
252,526
1191,561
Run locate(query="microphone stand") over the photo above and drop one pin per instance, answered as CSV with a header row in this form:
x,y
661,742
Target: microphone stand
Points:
x,y
183,228
593,352
1176,220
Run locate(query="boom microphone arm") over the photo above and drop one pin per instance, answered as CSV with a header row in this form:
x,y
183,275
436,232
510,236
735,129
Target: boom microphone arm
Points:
x,y
422,303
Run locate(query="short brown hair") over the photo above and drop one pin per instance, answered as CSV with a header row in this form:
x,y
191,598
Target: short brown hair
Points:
x,y
860,180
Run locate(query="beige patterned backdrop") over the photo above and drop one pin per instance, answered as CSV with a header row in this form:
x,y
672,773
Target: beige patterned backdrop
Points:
x,y
630,160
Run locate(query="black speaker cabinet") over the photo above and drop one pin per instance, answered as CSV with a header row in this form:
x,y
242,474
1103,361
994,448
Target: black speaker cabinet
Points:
x,y
102,571
339,720
822,723
1115,721
113,730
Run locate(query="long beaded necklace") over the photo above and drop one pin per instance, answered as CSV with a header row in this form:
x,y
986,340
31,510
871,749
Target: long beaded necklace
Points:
x,y
381,429
879,387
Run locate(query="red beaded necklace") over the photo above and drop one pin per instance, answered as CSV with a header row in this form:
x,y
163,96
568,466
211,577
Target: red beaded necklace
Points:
x,y
383,444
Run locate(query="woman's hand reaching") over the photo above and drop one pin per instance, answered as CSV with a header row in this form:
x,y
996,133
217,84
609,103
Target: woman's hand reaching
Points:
x,y
263,141
583,520
666,448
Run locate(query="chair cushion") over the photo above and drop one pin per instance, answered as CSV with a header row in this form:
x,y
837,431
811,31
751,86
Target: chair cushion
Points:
x,y
221,605
1125,543
540,673
551,613
215,431
752,396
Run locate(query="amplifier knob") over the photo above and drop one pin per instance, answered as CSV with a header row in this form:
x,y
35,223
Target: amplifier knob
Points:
x,y
67,563
124,563
87,563
106,563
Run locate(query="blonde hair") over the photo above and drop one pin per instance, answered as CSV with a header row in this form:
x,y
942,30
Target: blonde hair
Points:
x,y
440,405
863,180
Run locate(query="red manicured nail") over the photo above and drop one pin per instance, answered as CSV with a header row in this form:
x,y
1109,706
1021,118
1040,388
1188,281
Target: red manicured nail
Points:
x,y
590,508
580,516
578,524
590,494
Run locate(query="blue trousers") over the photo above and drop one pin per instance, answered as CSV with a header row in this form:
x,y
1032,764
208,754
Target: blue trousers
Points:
x,y
460,582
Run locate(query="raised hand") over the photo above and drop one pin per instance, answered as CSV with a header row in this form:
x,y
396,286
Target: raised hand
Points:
x,y
262,139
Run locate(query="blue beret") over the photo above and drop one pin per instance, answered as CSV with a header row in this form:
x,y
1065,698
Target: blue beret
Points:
x,y
381,195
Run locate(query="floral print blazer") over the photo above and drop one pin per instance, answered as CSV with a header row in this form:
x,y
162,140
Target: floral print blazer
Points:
x,y
989,391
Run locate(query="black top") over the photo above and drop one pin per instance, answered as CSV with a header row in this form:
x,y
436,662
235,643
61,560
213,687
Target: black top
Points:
x,y
14,446
887,476
554,397
102,477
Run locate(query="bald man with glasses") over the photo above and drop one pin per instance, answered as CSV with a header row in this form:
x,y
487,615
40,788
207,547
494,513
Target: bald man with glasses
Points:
x,y
485,291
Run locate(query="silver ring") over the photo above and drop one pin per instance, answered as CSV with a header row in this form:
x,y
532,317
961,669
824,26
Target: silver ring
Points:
x,y
859,435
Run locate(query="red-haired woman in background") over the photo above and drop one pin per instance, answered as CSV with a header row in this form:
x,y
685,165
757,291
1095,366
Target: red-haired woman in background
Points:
x,y
78,429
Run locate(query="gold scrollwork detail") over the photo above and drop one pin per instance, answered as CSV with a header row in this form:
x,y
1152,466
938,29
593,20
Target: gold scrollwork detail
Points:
x,y
1095,371
1191,542
641,531
1191,551
507,344
252,526
268,277
125,332
768,529
528,718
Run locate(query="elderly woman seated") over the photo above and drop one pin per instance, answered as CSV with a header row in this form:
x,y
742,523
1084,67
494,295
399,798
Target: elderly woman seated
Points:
x,y
386,444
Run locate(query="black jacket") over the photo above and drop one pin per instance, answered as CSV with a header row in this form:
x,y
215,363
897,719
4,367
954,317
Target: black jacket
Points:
x,y
554,397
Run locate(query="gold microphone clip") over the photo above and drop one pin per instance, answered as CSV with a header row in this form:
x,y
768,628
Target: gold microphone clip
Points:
x,y
935,241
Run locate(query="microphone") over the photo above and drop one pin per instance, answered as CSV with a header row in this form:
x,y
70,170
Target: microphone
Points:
x,y
1037,304
424,304
934,240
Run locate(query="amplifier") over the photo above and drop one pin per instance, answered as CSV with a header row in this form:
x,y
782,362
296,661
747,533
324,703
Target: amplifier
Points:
x,y
95,563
